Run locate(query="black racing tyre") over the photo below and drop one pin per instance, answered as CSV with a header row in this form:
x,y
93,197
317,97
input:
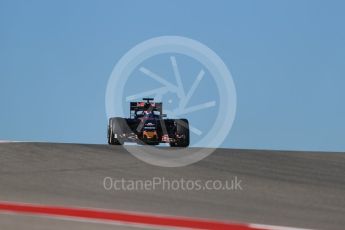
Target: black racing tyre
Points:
x,y
109,135
115,130
182,133
173,144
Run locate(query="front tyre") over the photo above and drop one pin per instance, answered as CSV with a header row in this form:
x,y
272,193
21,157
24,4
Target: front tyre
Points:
x,y
182,137
115,128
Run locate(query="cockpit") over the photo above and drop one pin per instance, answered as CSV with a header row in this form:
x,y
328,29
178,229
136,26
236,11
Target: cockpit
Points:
x,y
154,114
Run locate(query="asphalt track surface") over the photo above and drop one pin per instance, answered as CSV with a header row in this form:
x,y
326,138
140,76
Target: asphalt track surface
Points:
x,y
297,189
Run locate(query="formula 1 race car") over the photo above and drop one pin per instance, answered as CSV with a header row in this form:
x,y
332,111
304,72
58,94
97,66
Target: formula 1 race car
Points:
x,y
147,125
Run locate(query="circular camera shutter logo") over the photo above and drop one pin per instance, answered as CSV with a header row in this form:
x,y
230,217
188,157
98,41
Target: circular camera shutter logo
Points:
x,y
214,136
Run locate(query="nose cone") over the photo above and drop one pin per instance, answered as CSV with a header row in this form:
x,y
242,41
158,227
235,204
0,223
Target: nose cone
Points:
x,y
150,124
150,135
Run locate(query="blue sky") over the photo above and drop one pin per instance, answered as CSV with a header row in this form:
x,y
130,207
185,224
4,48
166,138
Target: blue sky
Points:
x,y
286,58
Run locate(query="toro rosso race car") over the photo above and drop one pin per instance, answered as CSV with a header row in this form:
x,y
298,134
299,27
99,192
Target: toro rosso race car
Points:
x,y
148,125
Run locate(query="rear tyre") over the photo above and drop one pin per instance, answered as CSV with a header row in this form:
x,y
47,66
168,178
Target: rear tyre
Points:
x,y
182,133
